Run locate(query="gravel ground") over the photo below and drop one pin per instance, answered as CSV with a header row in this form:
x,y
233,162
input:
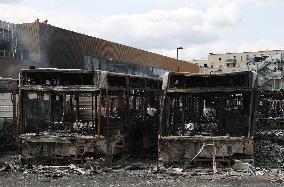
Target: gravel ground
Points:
x,y
134,172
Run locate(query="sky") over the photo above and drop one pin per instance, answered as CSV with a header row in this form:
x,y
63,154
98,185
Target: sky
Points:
x,y
160,26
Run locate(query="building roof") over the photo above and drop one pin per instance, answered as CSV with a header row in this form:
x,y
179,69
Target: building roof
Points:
x,y
275,50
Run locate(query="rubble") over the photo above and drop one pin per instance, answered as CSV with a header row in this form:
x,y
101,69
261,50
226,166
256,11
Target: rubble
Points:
x,y
139,172
269,149
5,167
241,166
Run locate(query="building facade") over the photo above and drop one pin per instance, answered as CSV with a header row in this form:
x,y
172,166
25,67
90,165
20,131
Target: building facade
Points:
x,y
45,46
230,62
268,65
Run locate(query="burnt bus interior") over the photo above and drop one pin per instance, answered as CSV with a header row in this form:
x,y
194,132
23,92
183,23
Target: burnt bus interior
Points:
x,y
8,113
268,136
119,109
209,105
207,119
55,110
270,111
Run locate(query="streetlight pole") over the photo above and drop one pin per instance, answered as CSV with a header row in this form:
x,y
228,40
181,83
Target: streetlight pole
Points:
x,y
177,51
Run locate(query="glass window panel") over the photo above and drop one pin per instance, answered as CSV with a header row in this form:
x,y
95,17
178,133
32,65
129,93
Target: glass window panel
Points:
x,y
96,64
111,65
104,66
129,68
136,69
121,67
88,64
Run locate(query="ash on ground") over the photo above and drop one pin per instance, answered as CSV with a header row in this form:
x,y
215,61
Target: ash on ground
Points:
x,y
133,172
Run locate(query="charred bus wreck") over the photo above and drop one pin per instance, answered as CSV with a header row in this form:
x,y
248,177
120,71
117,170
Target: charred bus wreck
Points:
x,y
8,112
71,115
269,136
205,117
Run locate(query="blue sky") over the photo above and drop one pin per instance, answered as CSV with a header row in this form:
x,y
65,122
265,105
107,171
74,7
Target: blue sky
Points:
x,y
200,26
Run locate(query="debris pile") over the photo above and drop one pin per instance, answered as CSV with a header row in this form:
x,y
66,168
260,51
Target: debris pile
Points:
x,y
60,171
6,167
135,172
269,149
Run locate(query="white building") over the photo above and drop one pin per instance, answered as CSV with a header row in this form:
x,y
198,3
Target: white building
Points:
x,y
268,64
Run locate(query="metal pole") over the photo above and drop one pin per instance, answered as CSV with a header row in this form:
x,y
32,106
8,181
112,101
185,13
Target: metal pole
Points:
x,y
280,87
53,98
214,158
99,113
96,111
273,83
250,112
109,152
37,99
281,69
14,104
93,111
177,53
77,107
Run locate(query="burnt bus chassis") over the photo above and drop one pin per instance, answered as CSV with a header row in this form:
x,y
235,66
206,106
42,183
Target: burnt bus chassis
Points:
x,y
8,113
207,117
74,115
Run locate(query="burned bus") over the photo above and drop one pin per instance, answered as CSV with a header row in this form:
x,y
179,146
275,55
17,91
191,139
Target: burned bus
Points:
x,y
73,115
207,117
269,133
8,113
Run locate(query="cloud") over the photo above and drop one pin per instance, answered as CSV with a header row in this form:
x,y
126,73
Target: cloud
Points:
x,y
199,29
200,51
9,1
156,29
169,28
216,3
261,44
18,13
